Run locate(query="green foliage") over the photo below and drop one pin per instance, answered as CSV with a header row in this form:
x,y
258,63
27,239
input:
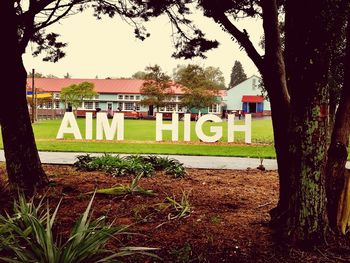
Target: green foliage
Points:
x,y
215,220
237,74
178,209
76,93
215,75
139,75
171,166
201,86
28,236
121,190
157,87
133,164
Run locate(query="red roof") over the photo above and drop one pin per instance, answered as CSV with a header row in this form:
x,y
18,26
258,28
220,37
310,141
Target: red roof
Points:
x,y
252,99
128,86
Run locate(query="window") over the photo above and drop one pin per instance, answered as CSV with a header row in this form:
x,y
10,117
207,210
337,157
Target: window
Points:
x,y
254,84
56,95
120,97
161,109
214,108
97,97
138,97
88,105
171,107
126,97
49,105
57,104
132,97
129,106
97,104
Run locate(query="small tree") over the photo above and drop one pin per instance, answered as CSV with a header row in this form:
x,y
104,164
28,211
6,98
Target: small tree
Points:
x,y
237,74
215,75
200,88
157,87
76,93
139,75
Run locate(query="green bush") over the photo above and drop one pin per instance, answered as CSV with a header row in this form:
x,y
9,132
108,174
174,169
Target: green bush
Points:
x,y
27,236
133,164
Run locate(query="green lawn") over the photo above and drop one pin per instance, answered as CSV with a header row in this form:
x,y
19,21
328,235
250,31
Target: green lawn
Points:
x,y
139,137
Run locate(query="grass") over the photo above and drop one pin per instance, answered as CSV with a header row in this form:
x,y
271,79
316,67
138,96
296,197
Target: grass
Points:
x,y
139,138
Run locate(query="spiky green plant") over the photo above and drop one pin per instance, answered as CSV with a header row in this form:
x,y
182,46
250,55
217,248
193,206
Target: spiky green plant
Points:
x,y
171,166
29,236
115,165
179,209
122,190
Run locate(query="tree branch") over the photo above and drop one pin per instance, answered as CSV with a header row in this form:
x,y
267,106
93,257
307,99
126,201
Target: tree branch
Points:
x,y
48,22
241,37
273,50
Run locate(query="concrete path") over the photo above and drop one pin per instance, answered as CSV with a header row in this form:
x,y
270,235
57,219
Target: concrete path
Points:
x,y
209,162
205,162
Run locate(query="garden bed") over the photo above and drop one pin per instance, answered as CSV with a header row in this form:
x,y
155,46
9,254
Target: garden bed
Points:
x,y
228,219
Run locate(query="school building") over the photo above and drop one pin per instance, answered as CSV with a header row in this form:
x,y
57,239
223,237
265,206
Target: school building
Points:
x,y
124,95
113,95
246,96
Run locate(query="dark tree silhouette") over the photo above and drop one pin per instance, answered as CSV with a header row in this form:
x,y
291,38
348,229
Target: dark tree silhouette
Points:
x,y
237,74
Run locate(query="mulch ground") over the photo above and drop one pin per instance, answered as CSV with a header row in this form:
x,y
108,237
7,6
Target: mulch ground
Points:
x,y
228,220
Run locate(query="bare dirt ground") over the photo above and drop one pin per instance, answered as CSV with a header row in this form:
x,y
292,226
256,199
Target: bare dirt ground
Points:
x,y
228,220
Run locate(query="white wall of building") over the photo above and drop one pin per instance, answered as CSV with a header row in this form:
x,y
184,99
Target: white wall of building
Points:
x,y
248,87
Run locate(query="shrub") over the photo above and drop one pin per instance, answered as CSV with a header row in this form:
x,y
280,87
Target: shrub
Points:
x,y
133,164
28,236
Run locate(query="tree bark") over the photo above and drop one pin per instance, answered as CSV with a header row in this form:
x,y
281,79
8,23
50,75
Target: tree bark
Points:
x,y
307,63
337,153
274,77
22,160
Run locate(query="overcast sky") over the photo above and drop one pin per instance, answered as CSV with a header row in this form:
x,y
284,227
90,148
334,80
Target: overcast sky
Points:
x,y
108,48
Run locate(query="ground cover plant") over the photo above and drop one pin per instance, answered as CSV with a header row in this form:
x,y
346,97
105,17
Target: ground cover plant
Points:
x,y
122,190
28,236
133,164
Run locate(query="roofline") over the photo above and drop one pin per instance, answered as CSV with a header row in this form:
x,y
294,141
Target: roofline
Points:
x,y
245,80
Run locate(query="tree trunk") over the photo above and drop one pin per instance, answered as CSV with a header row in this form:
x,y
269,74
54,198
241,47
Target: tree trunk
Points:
x,y
307,219
22,160
337,153
274,77
307,63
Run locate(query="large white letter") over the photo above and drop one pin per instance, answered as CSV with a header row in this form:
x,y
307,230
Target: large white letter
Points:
x,y
247,128
69,125
88,126
173,127
102,125
216,130
187,127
